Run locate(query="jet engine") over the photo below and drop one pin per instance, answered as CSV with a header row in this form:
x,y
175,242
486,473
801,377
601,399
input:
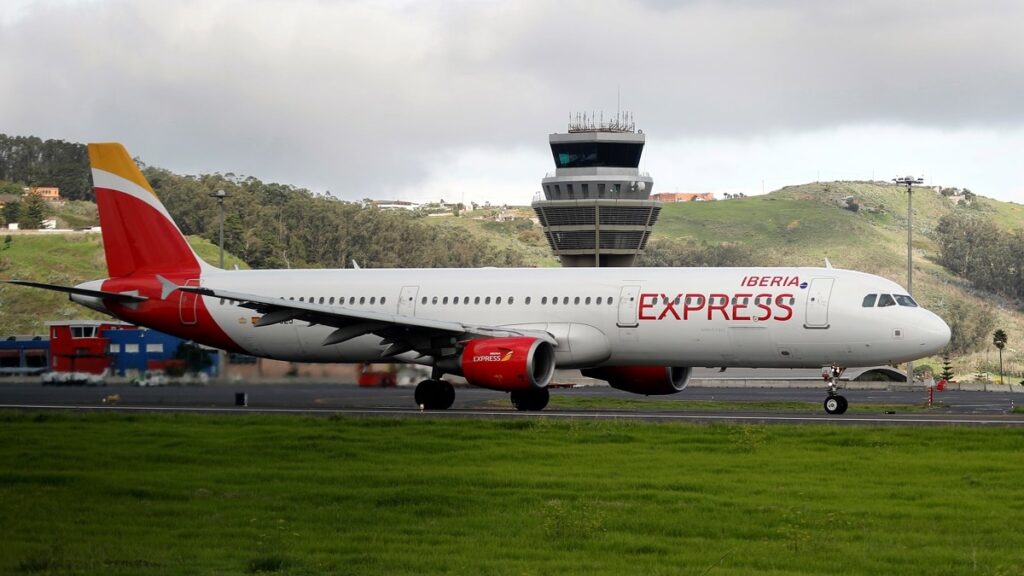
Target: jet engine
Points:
x,y
508,364
646,380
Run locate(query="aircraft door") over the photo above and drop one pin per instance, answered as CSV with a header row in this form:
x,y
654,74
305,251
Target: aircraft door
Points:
x,y
407,301
818,294
628,306
187,304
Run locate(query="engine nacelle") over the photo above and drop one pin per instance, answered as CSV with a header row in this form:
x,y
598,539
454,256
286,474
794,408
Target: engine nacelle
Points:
x,y
647,380
507,364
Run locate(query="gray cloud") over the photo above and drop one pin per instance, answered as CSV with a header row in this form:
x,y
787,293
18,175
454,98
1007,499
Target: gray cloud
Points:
x,y
363,98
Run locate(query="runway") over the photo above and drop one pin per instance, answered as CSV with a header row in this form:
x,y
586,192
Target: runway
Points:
x,y
957,408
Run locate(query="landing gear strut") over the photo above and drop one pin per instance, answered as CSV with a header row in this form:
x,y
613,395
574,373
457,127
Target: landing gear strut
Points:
x,y
435,394
532,400
834,403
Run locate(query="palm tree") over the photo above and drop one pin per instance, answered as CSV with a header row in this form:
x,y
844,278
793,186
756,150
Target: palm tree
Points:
x,y
999,339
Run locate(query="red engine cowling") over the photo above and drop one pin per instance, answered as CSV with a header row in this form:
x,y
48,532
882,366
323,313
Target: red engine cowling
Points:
x,y
647,380
508,363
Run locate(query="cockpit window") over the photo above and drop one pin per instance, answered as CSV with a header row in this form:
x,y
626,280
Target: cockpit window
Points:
x,y
885,300
904,300
869,300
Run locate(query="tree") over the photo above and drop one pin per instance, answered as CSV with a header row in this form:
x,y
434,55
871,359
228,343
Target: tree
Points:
x,y
33,214
947,368
12,211
999,339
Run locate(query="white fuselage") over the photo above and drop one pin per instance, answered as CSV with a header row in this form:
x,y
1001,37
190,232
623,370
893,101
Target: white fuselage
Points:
x,y
750,317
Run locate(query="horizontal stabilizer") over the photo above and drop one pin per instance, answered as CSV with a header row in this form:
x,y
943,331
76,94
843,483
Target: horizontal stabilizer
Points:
x,y
116,296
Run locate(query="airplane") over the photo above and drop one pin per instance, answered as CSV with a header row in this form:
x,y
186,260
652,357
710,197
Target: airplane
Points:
x,y
639,329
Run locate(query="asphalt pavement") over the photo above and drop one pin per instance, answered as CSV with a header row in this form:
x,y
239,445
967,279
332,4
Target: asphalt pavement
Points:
x,y
956,407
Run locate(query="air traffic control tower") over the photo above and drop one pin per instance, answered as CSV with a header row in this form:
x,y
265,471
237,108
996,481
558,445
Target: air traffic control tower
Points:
x,y
596,208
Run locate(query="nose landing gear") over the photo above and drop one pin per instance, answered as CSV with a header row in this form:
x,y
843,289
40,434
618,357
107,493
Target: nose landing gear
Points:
x,y
834,403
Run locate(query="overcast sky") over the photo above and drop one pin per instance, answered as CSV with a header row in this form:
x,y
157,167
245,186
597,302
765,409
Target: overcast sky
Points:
x,y
425,99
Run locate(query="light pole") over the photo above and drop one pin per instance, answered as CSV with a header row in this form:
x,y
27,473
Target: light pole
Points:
x,y
220,195
909,181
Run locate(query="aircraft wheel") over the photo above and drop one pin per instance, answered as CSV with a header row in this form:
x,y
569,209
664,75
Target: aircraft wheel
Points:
x,y
446,395
530,400
434,395
836,404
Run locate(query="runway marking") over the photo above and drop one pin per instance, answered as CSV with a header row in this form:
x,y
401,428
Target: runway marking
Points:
x,y
466,413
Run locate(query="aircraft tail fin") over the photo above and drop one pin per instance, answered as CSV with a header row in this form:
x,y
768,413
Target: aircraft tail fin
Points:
x,y
138,233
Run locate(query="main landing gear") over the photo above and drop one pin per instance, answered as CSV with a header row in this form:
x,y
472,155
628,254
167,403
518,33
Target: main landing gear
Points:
x,y
532,400
435,394
834,403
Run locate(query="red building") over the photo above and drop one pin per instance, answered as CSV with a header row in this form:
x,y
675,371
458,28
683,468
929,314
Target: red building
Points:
x,y
79,346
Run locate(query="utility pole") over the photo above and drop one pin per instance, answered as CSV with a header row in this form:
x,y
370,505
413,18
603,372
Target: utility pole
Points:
x,y
220,195
909,181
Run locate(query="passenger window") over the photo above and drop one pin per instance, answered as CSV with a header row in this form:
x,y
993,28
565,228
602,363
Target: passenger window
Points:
x,y
544,300
565,301
527,300
497,300
487,300
456,300
433,300
904,300
373,299
510,299
302,298
424,301
587,301
382,298
476,300
362,299
598,300
351,300
576,301
869,300
445,301
321,300
331,301
885,300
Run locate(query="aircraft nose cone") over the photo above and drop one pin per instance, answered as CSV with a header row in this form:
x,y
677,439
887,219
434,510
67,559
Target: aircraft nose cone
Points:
x,y
936,334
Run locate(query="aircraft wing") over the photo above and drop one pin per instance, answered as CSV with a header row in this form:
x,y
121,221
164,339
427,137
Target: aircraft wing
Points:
x,y
118,296
402,333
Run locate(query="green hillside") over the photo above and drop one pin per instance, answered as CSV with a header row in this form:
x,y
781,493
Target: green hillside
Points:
x,y
518,235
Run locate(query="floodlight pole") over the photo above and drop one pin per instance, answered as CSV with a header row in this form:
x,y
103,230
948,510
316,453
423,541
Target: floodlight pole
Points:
x,y
220,195
909,181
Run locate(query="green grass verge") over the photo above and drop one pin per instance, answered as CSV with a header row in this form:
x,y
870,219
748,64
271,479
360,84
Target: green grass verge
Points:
x,y
185,494
603,403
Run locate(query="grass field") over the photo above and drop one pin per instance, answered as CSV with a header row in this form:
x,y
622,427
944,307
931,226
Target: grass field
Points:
x,y
118,494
